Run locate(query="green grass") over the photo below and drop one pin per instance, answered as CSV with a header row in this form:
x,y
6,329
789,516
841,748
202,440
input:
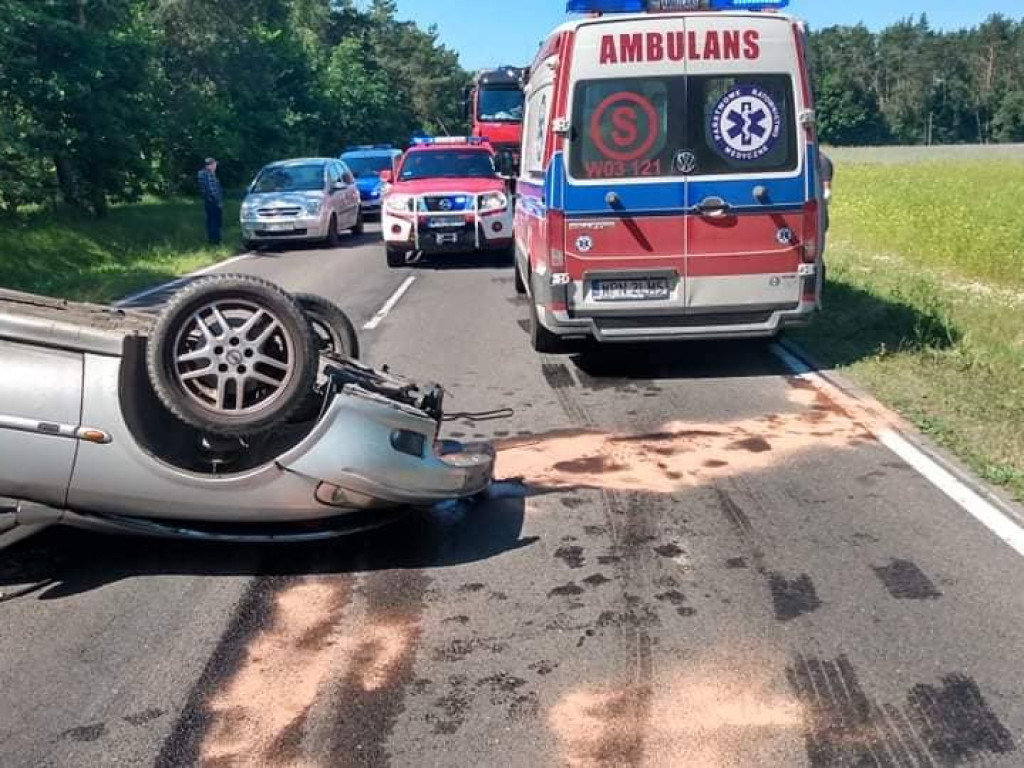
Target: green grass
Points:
x,y
925,302
63,252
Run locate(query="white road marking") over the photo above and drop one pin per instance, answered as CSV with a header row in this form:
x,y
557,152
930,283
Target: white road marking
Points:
x,y
994,516
180,281
390,304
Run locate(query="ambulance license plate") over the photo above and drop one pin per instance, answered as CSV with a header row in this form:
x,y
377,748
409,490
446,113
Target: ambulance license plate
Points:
x,y
634,289
444,223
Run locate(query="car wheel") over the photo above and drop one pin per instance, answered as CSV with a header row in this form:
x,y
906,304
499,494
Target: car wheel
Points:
x,y
396,256
332,328
250,245
332,232
360,225
541,339
232,355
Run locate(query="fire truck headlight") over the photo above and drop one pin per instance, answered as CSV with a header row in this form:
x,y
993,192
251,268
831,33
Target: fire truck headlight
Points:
x,y
398,203
493,201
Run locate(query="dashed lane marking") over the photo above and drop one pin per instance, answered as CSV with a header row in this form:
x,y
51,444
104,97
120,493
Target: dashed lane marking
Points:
x,y
390,304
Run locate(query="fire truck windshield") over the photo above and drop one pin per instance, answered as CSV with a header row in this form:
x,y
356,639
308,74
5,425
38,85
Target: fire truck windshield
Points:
x,y
452,164
500,105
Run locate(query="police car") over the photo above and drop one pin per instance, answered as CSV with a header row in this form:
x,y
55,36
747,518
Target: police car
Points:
x,y
367,162
447,197
669,186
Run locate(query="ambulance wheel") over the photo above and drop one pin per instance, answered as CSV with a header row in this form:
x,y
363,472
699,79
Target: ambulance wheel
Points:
x,y
520,284
541,339
396,256
359,226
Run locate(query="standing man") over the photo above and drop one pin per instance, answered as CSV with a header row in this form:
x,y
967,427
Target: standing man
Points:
x,y
213,200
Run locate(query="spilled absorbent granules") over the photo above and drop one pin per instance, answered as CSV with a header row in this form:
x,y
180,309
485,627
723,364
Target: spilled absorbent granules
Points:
x,y
702,717
678,454
262,713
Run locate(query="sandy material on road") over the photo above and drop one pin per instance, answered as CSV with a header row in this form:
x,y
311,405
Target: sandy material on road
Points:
x,y
715,716
679,454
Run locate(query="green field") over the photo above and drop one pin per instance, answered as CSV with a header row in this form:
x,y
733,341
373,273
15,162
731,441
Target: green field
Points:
x,y
925,301
63,252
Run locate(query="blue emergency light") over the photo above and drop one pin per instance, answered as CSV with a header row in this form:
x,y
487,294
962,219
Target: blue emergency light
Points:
x,y
427,141
642,6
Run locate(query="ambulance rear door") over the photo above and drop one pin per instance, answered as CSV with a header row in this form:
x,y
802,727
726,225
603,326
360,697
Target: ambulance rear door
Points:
x,y
750,182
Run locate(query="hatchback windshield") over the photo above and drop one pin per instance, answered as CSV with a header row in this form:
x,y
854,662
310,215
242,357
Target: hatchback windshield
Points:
x,y
501,105
673,126
463,163
365,167
290,178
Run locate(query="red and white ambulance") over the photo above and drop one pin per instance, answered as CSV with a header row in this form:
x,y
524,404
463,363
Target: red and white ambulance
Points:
x,y
669,186
446,197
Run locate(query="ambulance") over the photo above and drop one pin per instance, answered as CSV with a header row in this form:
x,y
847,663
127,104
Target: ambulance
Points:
x,y
669,186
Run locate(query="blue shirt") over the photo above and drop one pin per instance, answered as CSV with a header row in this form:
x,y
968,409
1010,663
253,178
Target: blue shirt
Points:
x,y
209,187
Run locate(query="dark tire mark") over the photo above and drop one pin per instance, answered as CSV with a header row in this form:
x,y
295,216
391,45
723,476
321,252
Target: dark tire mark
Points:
x,y
793,598
905,581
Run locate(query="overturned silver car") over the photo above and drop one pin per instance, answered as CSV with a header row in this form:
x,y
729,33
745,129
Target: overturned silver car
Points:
x,y
238,413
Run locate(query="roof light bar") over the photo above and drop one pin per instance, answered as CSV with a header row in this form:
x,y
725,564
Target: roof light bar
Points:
x,y
437,141
641,6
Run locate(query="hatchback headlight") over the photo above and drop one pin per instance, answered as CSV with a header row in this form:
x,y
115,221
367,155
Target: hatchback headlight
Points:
x,y
398,203
249,210
493,201
313,207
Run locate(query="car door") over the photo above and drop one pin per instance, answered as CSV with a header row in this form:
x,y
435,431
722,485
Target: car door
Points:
x,y
40,412
350,194
747,192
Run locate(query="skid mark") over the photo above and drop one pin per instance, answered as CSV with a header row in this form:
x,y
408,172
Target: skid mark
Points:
x,y
950,724
677,455
905,581
713,716
259,714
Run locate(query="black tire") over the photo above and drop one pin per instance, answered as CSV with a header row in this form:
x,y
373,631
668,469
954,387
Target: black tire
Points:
x,y
282,354
332,328
520,283
541,339
333,239
395,256
360,225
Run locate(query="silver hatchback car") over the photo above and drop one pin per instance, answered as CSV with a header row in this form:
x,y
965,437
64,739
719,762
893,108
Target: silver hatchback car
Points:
x,y
306,199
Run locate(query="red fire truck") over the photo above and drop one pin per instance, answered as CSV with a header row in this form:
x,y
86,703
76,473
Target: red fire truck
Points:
x,y
494,107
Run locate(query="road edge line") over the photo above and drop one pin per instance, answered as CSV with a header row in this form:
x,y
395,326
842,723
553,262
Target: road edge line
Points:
x,y
180,280
389,305
984,506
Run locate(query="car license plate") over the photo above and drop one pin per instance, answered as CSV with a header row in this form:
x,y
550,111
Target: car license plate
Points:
x,y
278,227
632,289
444,223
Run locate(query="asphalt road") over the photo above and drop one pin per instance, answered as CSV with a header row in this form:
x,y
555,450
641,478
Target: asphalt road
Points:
x,y
694,559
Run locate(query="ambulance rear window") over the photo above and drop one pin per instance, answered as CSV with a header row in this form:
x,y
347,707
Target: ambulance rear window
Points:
x,y
675,126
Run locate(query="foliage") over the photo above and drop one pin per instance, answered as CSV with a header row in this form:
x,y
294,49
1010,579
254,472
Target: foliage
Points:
x,y
910,84
109,100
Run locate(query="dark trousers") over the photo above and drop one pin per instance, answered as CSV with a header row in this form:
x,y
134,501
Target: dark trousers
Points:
x,y
214,222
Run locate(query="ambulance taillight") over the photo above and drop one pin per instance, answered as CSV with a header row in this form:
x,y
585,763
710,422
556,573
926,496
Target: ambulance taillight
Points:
x,y
811,245
556,240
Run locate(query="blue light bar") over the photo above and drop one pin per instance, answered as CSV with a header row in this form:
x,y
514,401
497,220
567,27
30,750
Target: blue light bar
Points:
x,y
641,6
425,141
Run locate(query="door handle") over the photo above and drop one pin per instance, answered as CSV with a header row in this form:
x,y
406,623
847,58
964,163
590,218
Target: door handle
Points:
x,y
713,206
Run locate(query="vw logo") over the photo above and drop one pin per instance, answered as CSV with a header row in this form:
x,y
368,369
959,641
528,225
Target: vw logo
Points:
x,y
445,204
686,161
